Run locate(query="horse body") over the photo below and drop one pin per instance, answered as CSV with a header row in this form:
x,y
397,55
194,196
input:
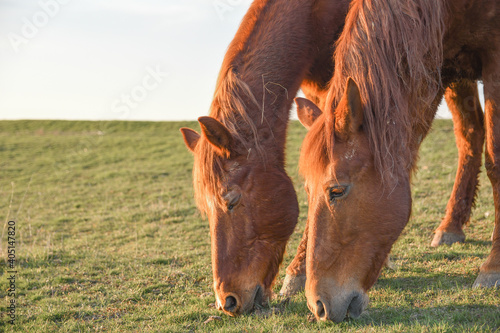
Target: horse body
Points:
x,y
239,173
392,62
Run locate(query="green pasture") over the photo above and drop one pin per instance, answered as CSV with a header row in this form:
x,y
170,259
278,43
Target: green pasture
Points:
x,y
108,239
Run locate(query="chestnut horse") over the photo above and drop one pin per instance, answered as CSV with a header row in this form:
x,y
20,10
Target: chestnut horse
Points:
x,y
392,62
239,158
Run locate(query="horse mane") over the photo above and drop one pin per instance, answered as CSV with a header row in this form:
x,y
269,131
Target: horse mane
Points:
x,y
393,51
232,98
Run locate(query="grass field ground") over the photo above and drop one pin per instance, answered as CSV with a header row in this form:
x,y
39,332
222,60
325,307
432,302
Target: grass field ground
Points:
x,y
108,239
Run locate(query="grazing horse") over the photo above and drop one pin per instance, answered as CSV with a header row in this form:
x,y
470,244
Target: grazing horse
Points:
x,y
393,61
237,117
239,158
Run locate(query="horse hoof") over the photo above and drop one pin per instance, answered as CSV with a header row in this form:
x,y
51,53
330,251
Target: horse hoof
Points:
x,y
448,238
292,285
487,280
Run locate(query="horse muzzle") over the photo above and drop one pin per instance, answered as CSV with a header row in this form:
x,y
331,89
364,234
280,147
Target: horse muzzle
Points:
x,y
337,304
235,304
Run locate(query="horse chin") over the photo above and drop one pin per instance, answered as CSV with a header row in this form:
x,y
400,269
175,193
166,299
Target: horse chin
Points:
x,y
258,299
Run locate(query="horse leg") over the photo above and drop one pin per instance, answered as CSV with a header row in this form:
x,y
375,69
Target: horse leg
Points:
x,y
463,101
295,280
489,274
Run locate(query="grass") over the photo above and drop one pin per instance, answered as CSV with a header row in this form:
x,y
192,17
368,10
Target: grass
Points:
x,y
108,239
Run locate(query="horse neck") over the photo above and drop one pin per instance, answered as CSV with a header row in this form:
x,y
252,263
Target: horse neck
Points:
x,y
271,53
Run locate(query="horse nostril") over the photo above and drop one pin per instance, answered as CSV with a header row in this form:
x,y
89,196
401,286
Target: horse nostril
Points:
x,y
320,310
357,305
231,304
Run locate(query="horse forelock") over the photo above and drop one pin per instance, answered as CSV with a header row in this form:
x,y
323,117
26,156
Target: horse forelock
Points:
x,y
393,51
207,178
317,150
232,102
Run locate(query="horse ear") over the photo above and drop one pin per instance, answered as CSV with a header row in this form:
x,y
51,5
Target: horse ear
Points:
x,y
307,111
217,134
349,113
191,138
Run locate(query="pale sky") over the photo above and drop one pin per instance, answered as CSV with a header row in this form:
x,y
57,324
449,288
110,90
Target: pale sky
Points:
x,y
113,59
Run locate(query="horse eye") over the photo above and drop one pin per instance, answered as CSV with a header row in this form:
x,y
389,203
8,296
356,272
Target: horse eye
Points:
x,y
337,192
233,202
